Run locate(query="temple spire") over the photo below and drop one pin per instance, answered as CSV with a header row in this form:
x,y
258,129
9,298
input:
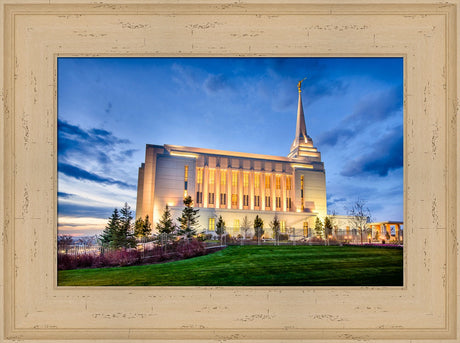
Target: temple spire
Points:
x,y
302,146
301,130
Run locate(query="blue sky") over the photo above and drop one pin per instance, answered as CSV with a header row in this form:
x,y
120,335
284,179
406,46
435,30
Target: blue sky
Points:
x,y
109,108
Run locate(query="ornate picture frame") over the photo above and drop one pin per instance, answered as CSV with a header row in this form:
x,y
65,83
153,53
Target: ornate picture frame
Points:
x,y
35,34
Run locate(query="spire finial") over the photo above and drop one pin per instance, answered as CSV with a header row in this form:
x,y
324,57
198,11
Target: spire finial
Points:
x,y
299,85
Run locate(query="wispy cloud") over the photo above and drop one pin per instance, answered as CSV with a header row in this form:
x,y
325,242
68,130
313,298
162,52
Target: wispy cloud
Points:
x,y
64,195
81,174
371,109
76,210
386,155
95,143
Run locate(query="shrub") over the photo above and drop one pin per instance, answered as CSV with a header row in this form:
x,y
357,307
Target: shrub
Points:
x,y
191,248
283,237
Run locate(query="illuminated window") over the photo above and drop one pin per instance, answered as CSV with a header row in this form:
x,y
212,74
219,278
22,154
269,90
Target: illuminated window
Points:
x,y
223,199
234,199
211,198
257,181
223,178
245,180
288,183
267,181
305,229
301,192
288,203
234,178
267,201
199,175
256,200
212,224
278,181
245,200
283,226
185,180
278,202
212,175
236,224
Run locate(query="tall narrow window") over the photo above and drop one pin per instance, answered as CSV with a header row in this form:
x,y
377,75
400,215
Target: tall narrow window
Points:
x,y
234,178
278,202
245,200
283,226
236,225
212,224
267,202
199,197
256,201
305,229
278,181
185,180
223,178
211,198
234,200
223,199
212,175
245,180
301,193
288,183
267,181
199,175
288,203
257,181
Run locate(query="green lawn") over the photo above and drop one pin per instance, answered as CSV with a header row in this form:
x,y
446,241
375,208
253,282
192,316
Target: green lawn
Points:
x,y
257,266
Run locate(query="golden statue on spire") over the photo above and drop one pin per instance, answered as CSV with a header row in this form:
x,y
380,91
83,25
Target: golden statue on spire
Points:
x,y
299,85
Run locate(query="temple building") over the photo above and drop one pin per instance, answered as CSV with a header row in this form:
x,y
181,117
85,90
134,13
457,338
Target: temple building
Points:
x,y
236,184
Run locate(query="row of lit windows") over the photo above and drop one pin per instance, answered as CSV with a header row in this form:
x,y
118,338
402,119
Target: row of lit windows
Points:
x,y
223,196
223,179
223,200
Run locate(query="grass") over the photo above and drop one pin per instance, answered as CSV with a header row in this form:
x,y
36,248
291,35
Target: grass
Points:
x,y
257,266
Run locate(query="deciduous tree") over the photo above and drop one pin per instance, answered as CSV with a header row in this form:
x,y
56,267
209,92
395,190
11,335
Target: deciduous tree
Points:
x,y
275,226
359,217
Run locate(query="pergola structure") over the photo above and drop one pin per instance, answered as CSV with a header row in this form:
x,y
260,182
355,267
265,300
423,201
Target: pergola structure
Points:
x,y
380,229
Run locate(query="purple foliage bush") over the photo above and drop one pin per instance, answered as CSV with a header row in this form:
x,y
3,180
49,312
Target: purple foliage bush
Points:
x,y
120,258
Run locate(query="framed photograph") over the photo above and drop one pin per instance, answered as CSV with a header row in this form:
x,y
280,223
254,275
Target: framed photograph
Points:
x,y
38,39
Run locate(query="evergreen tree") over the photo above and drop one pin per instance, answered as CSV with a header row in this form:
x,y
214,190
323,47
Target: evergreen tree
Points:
x,y
188,221
220,228
124,237
109,233
258,228
165,227
142,227
318,227
275,226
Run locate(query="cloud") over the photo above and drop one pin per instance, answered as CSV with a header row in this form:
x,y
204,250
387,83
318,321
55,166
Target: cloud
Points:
x,y
372,109
64,195
92,148
81,174
377,106
332,137
386,155
75,210
322,88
